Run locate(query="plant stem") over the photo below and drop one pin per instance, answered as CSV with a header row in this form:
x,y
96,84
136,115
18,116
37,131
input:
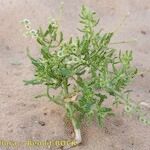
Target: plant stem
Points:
x,y
122,42
76,127
77,132
65,86
52,99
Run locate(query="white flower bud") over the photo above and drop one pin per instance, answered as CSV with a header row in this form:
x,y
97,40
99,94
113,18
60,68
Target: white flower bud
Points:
x,y
28,27
33,33
26,21
60,53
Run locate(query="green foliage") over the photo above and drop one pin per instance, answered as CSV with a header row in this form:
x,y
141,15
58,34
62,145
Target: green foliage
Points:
x,y
86,69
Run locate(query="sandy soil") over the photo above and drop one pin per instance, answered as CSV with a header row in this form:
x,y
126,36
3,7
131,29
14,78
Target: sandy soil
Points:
x,y
22,117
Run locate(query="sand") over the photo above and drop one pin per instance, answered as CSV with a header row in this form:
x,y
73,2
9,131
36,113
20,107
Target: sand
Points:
x,y
23,118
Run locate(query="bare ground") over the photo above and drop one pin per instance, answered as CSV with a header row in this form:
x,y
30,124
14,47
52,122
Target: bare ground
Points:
x,y
22,117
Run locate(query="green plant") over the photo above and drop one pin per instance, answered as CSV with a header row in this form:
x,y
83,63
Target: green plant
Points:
x,y
86,70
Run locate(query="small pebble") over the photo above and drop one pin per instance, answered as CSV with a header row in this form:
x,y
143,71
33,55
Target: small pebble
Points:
x,y
142,75
42,123
45,114
10,130
7,47
22,127
143,32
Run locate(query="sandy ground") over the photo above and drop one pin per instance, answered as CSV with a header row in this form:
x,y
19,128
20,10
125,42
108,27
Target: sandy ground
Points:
x,y
21,116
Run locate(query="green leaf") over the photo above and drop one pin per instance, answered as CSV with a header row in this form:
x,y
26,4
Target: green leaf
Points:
x,y
65,72
45,52
102,113
33,82
61,37
41,41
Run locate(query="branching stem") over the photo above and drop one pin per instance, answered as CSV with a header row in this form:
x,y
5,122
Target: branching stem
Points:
x,y
52,99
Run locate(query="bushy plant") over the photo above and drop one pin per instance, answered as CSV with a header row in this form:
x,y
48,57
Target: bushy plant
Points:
x,y
86,70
